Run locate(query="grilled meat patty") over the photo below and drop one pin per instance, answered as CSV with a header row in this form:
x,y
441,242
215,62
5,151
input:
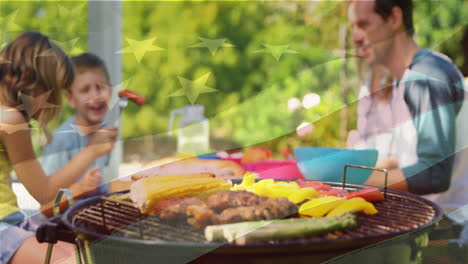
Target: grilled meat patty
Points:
x,y
269,209
201,216
230,199
229,207
178,210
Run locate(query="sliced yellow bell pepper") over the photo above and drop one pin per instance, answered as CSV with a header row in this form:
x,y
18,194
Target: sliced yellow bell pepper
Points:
x,y
248,179
266,182
354,204
281,190
320,206
293,185
302,194
262,187
238,187
272,189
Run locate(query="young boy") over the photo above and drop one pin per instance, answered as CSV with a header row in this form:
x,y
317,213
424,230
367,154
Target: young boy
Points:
x,y
89,96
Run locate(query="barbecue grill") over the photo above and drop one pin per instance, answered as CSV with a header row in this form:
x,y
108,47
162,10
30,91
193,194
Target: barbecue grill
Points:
x,y
110,230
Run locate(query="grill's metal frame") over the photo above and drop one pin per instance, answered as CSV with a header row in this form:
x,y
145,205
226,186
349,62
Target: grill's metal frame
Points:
x,y
366,168
429,215
339,245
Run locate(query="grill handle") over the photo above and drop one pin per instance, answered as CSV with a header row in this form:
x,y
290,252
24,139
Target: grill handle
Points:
x,y
51,232
54,230
366,168
59,197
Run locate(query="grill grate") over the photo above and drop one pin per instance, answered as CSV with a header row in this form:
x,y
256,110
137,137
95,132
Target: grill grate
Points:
x,y
399,213
124,220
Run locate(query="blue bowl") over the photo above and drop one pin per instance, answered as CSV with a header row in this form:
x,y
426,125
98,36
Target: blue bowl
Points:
x,y
208,156
327,164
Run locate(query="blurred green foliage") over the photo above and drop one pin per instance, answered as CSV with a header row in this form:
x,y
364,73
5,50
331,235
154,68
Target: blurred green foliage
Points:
x,y
253,80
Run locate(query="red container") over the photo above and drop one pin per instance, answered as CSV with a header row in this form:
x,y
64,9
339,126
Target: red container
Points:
x,y
273,169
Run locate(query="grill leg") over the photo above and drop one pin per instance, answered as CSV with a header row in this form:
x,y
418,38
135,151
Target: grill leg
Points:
x,y
48,253
84,254
79,251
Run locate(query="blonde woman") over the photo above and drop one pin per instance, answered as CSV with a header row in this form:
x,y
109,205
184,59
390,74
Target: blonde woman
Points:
x,y
33,71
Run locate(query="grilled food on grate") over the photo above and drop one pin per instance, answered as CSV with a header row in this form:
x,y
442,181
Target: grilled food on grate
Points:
x,y
229,207
247,232
147,238
271,208
229,199
177,210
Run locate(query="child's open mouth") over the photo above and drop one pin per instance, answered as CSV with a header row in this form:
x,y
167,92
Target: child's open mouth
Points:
x,y
97,108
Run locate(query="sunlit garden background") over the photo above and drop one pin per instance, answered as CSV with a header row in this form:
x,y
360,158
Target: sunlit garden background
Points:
x,y
271,65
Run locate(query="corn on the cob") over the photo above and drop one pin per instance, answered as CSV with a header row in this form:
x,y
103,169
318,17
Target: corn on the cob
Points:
x,y
205,194
147,191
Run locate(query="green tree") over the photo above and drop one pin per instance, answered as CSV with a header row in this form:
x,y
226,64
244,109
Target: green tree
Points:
x,y
261,54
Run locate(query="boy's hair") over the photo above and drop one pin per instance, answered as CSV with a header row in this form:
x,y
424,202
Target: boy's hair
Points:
x,y
87,61
34,65
384,9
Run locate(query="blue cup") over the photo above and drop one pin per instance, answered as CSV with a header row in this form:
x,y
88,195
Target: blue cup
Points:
x,y
327,164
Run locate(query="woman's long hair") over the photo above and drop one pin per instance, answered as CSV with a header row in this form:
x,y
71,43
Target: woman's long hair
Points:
x,y
31,66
